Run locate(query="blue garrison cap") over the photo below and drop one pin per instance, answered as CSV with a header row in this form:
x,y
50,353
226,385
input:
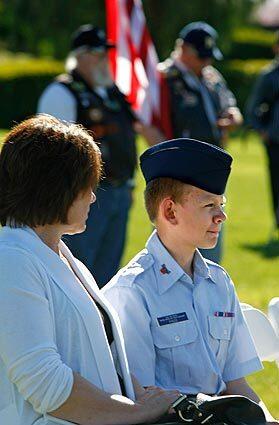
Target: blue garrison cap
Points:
x,y
203,38
91,38
190,161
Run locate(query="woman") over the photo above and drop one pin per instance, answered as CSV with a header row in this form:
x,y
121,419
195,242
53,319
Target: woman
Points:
x,y
56,328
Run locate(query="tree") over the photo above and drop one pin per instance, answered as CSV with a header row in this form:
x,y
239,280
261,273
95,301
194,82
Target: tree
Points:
x,y
44,29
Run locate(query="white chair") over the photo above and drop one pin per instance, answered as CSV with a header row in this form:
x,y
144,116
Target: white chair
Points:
x,y
273,314
263,333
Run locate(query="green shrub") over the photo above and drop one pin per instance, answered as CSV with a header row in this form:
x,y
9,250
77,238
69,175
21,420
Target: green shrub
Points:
x,y
251,43
241,75
22,80
243,67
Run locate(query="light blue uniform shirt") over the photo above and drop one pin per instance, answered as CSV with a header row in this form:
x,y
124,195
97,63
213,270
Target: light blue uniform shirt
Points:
x,y
181,333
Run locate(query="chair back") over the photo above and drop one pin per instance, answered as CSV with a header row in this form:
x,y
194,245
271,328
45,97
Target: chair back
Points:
x,y
273,314
263,333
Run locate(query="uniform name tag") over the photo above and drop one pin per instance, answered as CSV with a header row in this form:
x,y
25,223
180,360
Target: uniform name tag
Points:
x,y
172,318
224,314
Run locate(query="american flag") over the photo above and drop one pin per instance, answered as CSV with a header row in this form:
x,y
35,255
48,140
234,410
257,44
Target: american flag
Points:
x,y
134,63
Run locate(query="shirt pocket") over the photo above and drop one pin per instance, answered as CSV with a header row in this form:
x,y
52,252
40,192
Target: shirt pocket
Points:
x,y
174,346
220,331
220,327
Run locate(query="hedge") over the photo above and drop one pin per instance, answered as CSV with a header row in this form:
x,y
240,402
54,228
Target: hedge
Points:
x,y
251,43
241,75
22,81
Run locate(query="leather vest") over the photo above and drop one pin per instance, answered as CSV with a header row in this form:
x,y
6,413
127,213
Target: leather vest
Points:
x,y
188,115
110,120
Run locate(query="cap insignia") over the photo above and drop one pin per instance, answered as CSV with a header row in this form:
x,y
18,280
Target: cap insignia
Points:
x,y
209,42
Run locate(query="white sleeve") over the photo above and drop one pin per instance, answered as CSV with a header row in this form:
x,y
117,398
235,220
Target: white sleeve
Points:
x,y
58,101
135,321
27,335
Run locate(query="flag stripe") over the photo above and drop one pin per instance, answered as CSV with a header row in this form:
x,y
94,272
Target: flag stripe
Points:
x,y
134,63
112,33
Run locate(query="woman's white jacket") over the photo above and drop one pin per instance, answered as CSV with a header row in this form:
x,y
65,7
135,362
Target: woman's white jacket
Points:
x,y
50,327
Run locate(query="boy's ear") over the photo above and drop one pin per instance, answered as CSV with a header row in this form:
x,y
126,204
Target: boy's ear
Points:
x,y
168,210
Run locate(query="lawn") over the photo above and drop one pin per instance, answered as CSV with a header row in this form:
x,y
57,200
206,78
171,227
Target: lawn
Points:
x,y
253,266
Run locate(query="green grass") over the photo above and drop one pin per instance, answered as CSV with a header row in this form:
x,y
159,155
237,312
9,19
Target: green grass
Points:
x,y
253,267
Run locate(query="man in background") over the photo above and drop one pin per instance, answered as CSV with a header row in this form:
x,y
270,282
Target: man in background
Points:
x,y
202,107
263,116
87,95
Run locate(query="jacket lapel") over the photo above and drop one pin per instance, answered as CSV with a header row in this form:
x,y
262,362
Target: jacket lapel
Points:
x,y
88,281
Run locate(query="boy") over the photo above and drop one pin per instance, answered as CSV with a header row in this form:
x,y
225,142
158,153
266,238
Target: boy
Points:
x,y
182,322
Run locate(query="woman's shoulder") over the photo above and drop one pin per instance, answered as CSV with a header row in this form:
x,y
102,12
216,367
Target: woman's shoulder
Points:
x,y
19,268
11,252
17,247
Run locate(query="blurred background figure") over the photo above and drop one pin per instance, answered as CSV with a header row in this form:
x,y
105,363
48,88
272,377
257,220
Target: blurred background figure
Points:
x,y
263,116
87,95
202,107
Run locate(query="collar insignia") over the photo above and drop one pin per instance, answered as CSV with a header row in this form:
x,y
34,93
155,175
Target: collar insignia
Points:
x,y
164,269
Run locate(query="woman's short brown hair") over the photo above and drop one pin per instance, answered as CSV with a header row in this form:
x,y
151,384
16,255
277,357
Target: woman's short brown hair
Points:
x,y
158,189
44,164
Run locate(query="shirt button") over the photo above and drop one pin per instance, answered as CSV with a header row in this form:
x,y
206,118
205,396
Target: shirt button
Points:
x,y
177,338
225,332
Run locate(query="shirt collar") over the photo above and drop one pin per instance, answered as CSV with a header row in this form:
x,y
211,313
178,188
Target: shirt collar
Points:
x,y
180,65
184,69
188,76
102,92
201,267
167,270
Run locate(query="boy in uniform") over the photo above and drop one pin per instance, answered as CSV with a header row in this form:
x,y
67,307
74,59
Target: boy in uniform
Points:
x,y
181,318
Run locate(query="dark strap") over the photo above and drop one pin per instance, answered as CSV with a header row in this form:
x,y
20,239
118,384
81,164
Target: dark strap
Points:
x,y
110,337
109,334
232,410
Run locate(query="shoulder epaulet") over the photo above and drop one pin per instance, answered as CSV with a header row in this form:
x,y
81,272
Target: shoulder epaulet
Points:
x,y
167,69
212,75
138,265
